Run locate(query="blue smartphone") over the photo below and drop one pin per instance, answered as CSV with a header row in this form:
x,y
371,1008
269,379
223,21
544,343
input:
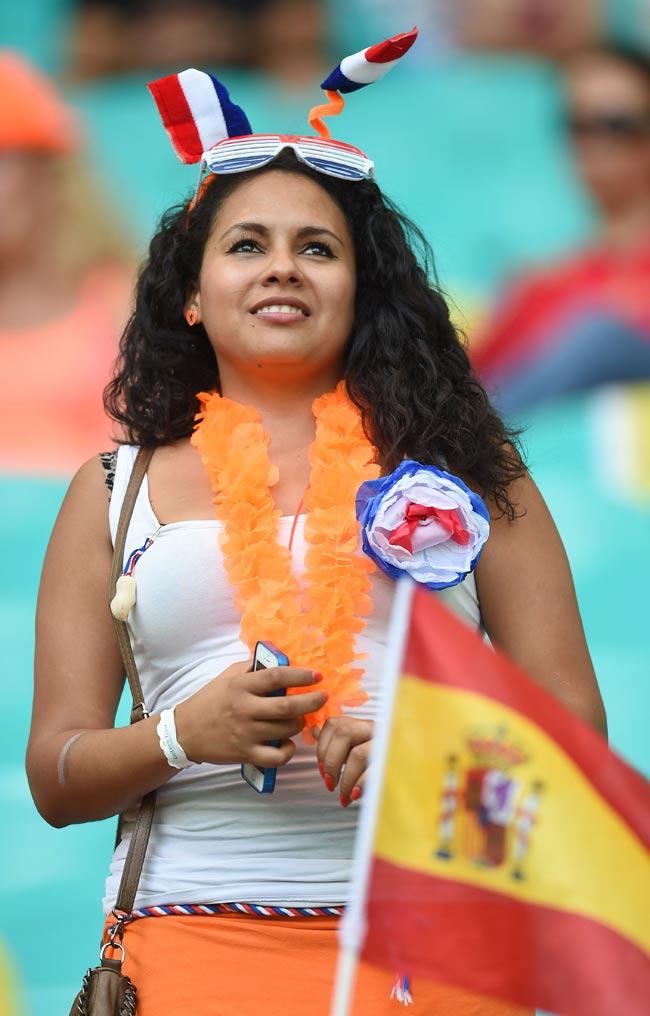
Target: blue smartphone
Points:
x,y
266,656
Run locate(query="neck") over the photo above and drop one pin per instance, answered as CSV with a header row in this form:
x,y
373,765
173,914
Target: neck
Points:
x,y
285,408
627,226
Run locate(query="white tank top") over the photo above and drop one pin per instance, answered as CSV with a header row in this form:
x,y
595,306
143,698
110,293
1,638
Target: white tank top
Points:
x,y
214,839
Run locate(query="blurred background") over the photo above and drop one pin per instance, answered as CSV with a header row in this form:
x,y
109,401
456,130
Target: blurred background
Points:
x,y
516,134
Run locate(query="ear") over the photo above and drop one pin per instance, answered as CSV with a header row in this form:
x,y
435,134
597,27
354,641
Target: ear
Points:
x,y
192,309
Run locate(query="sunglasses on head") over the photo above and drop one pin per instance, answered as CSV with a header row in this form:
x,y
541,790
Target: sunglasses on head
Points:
x,y
252,151
612,126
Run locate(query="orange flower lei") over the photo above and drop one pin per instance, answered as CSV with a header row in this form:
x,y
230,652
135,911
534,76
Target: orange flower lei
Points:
x,y
315,623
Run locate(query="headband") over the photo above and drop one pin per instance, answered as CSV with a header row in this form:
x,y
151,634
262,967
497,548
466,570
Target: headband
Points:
x,y
198,113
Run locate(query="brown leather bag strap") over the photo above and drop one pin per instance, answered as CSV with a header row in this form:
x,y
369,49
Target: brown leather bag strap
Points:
x,y
135,855
140,467
140,837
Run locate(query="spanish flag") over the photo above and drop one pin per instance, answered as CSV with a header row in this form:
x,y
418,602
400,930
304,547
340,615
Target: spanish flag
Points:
x,y
503,848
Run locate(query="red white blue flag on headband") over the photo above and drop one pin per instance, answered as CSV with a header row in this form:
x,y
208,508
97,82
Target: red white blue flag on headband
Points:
x,y
197,112
370,64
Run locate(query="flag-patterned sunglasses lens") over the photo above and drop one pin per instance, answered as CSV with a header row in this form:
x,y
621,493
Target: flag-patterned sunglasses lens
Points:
x,y
242,154
335,160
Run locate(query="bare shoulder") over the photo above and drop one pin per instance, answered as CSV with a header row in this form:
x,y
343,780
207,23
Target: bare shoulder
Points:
x,y
530,509
80,547
523,555
84,510
527,545
89,483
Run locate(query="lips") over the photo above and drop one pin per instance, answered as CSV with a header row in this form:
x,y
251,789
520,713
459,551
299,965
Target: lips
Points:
x,y
281,305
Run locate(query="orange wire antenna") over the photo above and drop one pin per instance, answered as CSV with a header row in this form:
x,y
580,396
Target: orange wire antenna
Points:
x,y
335,104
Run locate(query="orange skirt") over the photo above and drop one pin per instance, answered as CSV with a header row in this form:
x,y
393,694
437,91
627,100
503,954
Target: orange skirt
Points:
x,y
240,965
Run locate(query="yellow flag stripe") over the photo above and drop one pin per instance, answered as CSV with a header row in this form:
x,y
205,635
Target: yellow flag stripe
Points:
x,y
577,856
640,412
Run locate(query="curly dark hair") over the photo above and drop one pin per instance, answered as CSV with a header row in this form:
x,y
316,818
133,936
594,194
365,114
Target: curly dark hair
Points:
x,y
405,366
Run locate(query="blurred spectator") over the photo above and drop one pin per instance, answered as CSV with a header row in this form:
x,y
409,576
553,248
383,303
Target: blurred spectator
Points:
x,y
283,37
65,284
587,321
550,28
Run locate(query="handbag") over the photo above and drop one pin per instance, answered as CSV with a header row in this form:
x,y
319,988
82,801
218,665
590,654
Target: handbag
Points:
x,y
105,990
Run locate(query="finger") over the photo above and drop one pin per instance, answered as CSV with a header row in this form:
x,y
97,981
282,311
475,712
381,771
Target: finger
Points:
x,y
286,707
354,730
324,739
276,731
355,767
335,757
359,787
345,733
262,682
266,757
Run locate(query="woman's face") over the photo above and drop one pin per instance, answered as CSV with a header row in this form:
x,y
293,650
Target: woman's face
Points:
x,y
609,118
29,203
276,291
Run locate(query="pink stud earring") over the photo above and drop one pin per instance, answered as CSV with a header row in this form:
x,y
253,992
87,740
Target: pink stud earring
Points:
x,y
192,316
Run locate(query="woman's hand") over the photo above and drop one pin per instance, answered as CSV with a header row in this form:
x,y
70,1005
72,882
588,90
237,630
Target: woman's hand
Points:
x,y
342,754
232,718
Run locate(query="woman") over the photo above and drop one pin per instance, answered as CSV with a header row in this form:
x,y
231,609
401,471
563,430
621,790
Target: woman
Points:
x,y
275,286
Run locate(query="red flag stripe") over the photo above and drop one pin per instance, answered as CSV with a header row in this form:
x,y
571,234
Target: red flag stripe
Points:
x,y
502,947
490,673
177,117
391,49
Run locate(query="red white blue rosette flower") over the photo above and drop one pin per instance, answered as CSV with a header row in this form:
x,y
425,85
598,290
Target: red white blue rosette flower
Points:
x,y
424,522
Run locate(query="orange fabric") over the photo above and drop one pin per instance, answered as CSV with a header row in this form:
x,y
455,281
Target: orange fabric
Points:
x,y
31,113
236,965
51,413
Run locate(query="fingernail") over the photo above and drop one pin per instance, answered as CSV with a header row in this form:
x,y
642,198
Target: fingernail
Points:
x,y
321,770
356,794
318,677
329,781
344,800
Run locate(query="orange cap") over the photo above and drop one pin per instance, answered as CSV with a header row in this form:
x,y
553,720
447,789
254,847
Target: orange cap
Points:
x,y
32,115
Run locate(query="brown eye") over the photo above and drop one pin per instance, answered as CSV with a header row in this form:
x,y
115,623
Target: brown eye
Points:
x,y
318,247
245,246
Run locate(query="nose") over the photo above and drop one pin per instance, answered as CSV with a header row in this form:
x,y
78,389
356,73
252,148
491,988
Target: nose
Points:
x,y
281,268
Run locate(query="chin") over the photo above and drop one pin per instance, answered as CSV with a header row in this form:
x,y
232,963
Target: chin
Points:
x,y
274,349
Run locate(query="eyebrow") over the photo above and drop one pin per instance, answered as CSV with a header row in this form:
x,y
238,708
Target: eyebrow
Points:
x,y
262,230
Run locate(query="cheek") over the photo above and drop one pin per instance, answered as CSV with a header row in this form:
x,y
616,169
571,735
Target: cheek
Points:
x,y
625,165
598,162
220,289
643,160
339,295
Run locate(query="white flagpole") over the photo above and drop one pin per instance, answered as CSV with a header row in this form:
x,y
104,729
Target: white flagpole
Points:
x,y
353,925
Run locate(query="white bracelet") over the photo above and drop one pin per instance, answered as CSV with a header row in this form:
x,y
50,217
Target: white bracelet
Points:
x,y
169,745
